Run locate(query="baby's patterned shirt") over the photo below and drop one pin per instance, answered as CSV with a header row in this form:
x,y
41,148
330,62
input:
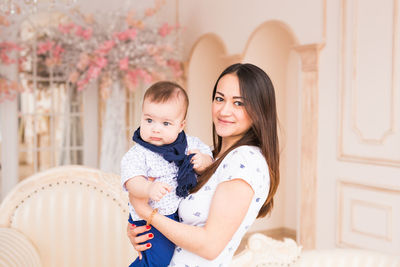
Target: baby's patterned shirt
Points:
x,y
140,161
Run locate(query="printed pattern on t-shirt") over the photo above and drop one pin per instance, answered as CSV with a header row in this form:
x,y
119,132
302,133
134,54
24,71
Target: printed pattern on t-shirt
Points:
x,y
246,163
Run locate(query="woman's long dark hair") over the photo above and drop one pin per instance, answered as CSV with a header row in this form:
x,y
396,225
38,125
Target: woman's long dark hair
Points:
x,y
259,98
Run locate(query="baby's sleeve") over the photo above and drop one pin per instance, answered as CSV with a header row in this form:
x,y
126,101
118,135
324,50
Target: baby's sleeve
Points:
x,y
132,164
196,143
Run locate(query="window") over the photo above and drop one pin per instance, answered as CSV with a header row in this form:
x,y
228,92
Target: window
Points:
x,y
49,118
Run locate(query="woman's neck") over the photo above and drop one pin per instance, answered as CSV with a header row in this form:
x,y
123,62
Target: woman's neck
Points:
x,y
227,143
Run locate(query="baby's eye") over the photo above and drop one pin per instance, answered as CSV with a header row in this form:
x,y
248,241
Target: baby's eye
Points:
x,y
149,120
218,99
238,103
166,123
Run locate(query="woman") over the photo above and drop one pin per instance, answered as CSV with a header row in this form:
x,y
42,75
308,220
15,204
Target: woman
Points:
x,y
238,187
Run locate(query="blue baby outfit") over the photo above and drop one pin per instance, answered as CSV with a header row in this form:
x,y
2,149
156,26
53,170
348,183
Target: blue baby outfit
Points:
x,y
161,250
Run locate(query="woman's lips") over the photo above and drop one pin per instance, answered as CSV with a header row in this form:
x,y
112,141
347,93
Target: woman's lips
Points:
x,y
224,121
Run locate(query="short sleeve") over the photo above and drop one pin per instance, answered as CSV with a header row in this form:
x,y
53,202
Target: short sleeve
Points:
x,y
246,163
196,143
132,164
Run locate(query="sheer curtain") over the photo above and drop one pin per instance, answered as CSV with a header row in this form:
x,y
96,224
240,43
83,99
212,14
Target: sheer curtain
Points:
x,y
113,138
71,130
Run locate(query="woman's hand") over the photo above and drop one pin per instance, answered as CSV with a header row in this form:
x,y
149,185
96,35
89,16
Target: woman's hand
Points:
x,y
141,207
138,241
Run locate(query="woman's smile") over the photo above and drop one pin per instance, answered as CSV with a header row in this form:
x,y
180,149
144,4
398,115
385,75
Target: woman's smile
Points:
x,y
224,121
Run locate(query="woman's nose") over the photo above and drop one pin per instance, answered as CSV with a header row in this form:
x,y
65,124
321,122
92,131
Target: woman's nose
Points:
x,y
226,109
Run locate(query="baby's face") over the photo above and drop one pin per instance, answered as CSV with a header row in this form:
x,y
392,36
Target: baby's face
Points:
x,y
162,122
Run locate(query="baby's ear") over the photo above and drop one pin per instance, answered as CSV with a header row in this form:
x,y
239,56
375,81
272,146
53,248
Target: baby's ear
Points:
x,y
183,124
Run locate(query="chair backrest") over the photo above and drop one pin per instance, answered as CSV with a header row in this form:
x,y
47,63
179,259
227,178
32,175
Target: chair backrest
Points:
x,y
73,215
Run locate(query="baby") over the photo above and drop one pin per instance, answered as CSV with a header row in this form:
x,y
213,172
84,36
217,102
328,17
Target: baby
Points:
x,y
163,163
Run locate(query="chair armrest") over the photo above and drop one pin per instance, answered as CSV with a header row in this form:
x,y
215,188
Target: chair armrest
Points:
x,y
346,257
16,250
265,251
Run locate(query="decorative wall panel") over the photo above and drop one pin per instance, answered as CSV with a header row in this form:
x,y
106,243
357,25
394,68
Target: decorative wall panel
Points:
x,y
369,71
368,217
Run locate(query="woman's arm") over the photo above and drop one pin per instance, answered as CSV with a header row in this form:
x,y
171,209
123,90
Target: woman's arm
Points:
x,y
229,206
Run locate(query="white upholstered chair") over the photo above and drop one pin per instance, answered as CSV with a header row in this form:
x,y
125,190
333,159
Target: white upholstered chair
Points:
x,y
66,216
264,251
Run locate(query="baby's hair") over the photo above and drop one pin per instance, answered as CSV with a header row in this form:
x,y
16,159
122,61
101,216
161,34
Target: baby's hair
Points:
x,y
163,91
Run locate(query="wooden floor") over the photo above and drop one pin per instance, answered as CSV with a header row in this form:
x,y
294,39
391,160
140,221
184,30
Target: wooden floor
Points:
x,y
278,234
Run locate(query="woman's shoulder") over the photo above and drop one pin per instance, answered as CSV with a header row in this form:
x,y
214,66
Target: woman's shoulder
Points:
x,y
246,151
247,163
251,155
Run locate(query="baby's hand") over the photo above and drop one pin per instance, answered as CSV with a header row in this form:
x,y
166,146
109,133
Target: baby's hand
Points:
x,y
157,190
200,160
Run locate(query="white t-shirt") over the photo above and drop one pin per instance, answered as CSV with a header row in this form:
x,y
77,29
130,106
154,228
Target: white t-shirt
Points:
x,y
140,161
245,162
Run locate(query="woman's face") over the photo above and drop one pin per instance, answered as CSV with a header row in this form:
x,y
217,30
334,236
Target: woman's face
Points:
x,y
229,115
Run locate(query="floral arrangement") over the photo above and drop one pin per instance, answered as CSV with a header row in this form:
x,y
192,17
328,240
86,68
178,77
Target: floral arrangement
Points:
x,y
128,48
8,88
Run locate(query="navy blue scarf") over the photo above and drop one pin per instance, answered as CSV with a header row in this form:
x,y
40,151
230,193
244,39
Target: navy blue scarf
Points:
x,y
175,152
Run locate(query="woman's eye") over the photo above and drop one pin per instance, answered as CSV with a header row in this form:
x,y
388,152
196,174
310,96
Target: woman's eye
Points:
x,y
219,99
238,103
166,123
149,120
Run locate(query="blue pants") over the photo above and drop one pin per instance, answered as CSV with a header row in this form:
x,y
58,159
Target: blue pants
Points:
x,y
161,250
